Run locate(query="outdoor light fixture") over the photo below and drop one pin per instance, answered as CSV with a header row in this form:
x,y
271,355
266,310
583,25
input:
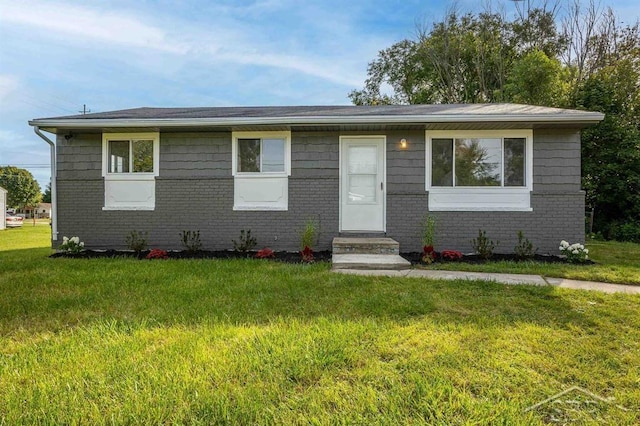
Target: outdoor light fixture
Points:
x,y
403,143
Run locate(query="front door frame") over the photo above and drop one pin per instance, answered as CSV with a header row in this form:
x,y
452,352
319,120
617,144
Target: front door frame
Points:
x,y
383,139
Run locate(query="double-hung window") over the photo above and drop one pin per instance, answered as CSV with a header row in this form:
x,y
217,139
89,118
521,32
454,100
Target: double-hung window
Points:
x,y
129,167
261,165
479,170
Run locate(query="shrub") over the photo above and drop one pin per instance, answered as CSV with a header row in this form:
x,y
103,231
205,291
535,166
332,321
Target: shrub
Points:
x,y
428,254
309,234
524,249
246,243
451,255
265,253
483,246
71,245
190,240
307,254
428,231
136,241
158,254
576,253
628,231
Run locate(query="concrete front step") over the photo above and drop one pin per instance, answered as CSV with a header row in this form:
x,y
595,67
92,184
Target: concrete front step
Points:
x,y
346,245
369,261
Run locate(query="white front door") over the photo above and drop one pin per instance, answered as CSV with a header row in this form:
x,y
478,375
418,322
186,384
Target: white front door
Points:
x,y
362,183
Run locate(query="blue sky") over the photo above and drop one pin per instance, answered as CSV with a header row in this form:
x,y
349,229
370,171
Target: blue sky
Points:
x,y
56,56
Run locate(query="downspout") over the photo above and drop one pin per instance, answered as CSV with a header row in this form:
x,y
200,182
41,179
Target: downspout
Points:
x,y
54,195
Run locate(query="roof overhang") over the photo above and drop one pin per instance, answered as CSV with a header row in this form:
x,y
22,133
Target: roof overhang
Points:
x,y
584,118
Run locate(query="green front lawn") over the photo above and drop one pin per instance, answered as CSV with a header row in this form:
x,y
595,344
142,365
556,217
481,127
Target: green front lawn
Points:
x,y
258,342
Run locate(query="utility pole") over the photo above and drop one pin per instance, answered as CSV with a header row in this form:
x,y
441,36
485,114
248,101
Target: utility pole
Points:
x,y
84,109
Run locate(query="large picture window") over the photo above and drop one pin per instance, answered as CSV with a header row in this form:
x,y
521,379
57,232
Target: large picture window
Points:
x,y
261,167
129,167
478,162
479,170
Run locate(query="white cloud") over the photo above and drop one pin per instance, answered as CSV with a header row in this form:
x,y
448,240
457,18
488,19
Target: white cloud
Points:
x,y
8,85
223,42
86,23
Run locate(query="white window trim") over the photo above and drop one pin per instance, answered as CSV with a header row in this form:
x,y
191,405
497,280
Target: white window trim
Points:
x,y
286,135
136,181
154,136
490,197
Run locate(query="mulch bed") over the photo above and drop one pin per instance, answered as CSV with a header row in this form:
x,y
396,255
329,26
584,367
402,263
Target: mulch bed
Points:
x,y
282,256
294,257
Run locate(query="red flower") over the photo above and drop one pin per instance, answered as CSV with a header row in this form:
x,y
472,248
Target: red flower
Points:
x,y
158,254
265,253
451,254
307,254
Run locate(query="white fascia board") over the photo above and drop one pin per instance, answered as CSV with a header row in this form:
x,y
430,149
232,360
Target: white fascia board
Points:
x,y
582,118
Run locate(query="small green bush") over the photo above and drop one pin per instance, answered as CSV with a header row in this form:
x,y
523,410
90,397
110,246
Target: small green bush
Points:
x,y
428,231
309,234
246,242
483,246
136,241
524,249
190,240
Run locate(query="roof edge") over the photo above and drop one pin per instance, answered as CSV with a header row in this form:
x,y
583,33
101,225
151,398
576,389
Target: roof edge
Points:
x,y
585,117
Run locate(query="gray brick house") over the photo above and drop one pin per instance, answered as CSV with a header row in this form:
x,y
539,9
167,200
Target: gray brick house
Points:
x,y
365,170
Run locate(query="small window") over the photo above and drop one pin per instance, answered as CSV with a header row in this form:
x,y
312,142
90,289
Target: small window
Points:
x,y
130,165
131,155
261,155
261,166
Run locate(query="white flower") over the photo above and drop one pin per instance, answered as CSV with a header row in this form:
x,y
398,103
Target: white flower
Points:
x,y
575,252
65,239
563,243
561,248
586,257
586,251
75,240
82,244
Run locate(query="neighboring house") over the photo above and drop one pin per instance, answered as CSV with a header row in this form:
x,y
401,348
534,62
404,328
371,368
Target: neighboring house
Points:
x,y
41,211
356,170
3,208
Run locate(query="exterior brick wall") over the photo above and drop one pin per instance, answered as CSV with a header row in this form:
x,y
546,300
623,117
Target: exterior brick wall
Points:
x,y
195,192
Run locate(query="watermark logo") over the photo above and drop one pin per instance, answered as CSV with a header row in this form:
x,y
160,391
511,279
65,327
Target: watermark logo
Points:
x,y
575,406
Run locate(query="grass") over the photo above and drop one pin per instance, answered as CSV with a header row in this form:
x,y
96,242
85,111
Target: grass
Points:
x,y
252,342
616,262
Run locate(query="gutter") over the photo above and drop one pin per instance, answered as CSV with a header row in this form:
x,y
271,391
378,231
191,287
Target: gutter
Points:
x,y
85,123
54,194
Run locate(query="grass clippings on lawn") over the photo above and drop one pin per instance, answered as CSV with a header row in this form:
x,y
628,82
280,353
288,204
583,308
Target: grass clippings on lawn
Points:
x,y
250,342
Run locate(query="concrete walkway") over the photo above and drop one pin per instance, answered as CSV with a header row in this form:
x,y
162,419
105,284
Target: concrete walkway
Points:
x,y
513,279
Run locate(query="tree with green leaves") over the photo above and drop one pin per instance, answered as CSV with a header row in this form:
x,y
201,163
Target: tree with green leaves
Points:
x,y
23,190
461,59
537,79
46,195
